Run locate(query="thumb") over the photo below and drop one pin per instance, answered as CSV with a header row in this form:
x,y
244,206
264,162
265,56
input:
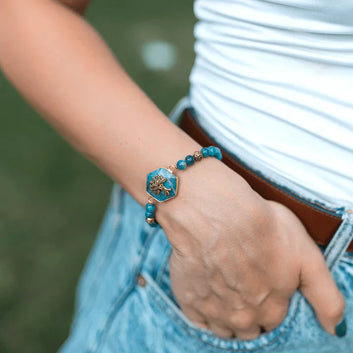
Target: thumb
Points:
x,y
320,289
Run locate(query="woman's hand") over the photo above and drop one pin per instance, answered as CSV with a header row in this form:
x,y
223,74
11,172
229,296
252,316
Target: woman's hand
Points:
x,y
237,258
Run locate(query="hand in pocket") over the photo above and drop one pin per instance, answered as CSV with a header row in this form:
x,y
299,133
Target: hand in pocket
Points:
x,y
237,258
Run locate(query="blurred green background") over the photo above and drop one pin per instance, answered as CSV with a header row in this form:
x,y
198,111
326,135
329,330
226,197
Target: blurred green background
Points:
x,y
52,199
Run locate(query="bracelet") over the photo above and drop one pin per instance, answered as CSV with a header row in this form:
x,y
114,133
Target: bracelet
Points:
x,y
162,183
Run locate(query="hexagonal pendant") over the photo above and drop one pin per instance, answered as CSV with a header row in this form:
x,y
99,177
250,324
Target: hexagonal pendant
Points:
x,y
162,185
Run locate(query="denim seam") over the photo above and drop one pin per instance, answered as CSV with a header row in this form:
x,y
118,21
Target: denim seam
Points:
x,y
347,258
189,330
333,245
120,300
114,238
117,305
162,269
341,248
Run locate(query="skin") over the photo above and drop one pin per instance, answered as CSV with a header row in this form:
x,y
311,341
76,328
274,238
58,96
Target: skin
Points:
x,y
237,258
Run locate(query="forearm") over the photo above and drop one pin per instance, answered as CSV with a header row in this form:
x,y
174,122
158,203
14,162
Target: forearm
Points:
x,y
64,69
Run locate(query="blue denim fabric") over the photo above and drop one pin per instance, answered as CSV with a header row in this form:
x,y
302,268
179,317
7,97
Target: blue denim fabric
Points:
x,y
116,314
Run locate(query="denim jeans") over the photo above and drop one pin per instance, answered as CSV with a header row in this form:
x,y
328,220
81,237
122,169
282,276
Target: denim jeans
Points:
x,y
125,304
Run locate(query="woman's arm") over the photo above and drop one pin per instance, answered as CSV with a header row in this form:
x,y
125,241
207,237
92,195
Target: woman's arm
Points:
x,y
64,69
237,258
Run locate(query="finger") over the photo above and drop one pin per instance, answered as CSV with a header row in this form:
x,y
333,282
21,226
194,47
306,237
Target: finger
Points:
x,y
319,287
195,317
248,334
220,331
243,324
273,312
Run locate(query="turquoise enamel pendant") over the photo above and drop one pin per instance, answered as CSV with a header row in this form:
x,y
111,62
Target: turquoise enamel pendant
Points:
x,y
162,184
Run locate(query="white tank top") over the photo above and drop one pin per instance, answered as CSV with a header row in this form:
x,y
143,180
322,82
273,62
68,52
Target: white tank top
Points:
x,y
273,82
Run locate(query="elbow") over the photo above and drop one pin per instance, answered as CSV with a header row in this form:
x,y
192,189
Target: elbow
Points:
x,y
78,6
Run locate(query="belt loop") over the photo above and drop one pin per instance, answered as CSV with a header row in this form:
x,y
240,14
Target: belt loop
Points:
x,y
179,107
340,241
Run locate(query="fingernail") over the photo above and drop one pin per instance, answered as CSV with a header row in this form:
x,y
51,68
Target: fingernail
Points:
x,y
341,328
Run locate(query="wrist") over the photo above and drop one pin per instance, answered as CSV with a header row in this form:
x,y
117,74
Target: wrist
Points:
x,y
211,198
163,183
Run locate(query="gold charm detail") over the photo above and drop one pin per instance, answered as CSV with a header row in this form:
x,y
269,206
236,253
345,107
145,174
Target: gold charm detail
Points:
x,y
198,156
150,220
171,169
157,185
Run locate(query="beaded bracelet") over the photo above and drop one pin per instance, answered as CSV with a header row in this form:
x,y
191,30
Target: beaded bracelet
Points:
x,y
162,183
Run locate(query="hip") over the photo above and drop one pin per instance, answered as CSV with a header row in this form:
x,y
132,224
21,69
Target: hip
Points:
x,y
125,302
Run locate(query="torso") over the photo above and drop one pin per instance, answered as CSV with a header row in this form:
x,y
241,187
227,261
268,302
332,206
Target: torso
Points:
x,y
273,82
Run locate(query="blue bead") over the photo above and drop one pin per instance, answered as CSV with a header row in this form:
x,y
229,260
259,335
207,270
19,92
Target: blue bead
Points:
x,y
181,164
150,207
149,214
218,154
190,160
212,151
205,152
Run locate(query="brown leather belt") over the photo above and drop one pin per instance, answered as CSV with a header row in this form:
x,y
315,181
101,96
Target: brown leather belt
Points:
x,y
320,222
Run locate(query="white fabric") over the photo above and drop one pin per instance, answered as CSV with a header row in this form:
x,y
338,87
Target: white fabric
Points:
x,y
273,81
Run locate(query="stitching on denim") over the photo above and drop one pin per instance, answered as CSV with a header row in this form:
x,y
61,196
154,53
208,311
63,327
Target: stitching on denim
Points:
x,y
344,245
340,250
115,236
177,320
337,236
120,300
190,330
162,269
346,257
116,307
333,245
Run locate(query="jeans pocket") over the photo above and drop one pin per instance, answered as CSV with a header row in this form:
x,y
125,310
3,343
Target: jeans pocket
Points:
x,y
159,291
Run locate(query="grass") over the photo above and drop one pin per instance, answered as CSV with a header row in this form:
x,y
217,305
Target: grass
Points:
x,y
52,198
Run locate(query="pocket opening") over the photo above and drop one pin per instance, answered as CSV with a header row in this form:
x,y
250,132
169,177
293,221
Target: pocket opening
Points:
x,y
265,340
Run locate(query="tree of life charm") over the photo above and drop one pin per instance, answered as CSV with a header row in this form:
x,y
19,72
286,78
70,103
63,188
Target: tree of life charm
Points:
x,y
162,185
157,185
